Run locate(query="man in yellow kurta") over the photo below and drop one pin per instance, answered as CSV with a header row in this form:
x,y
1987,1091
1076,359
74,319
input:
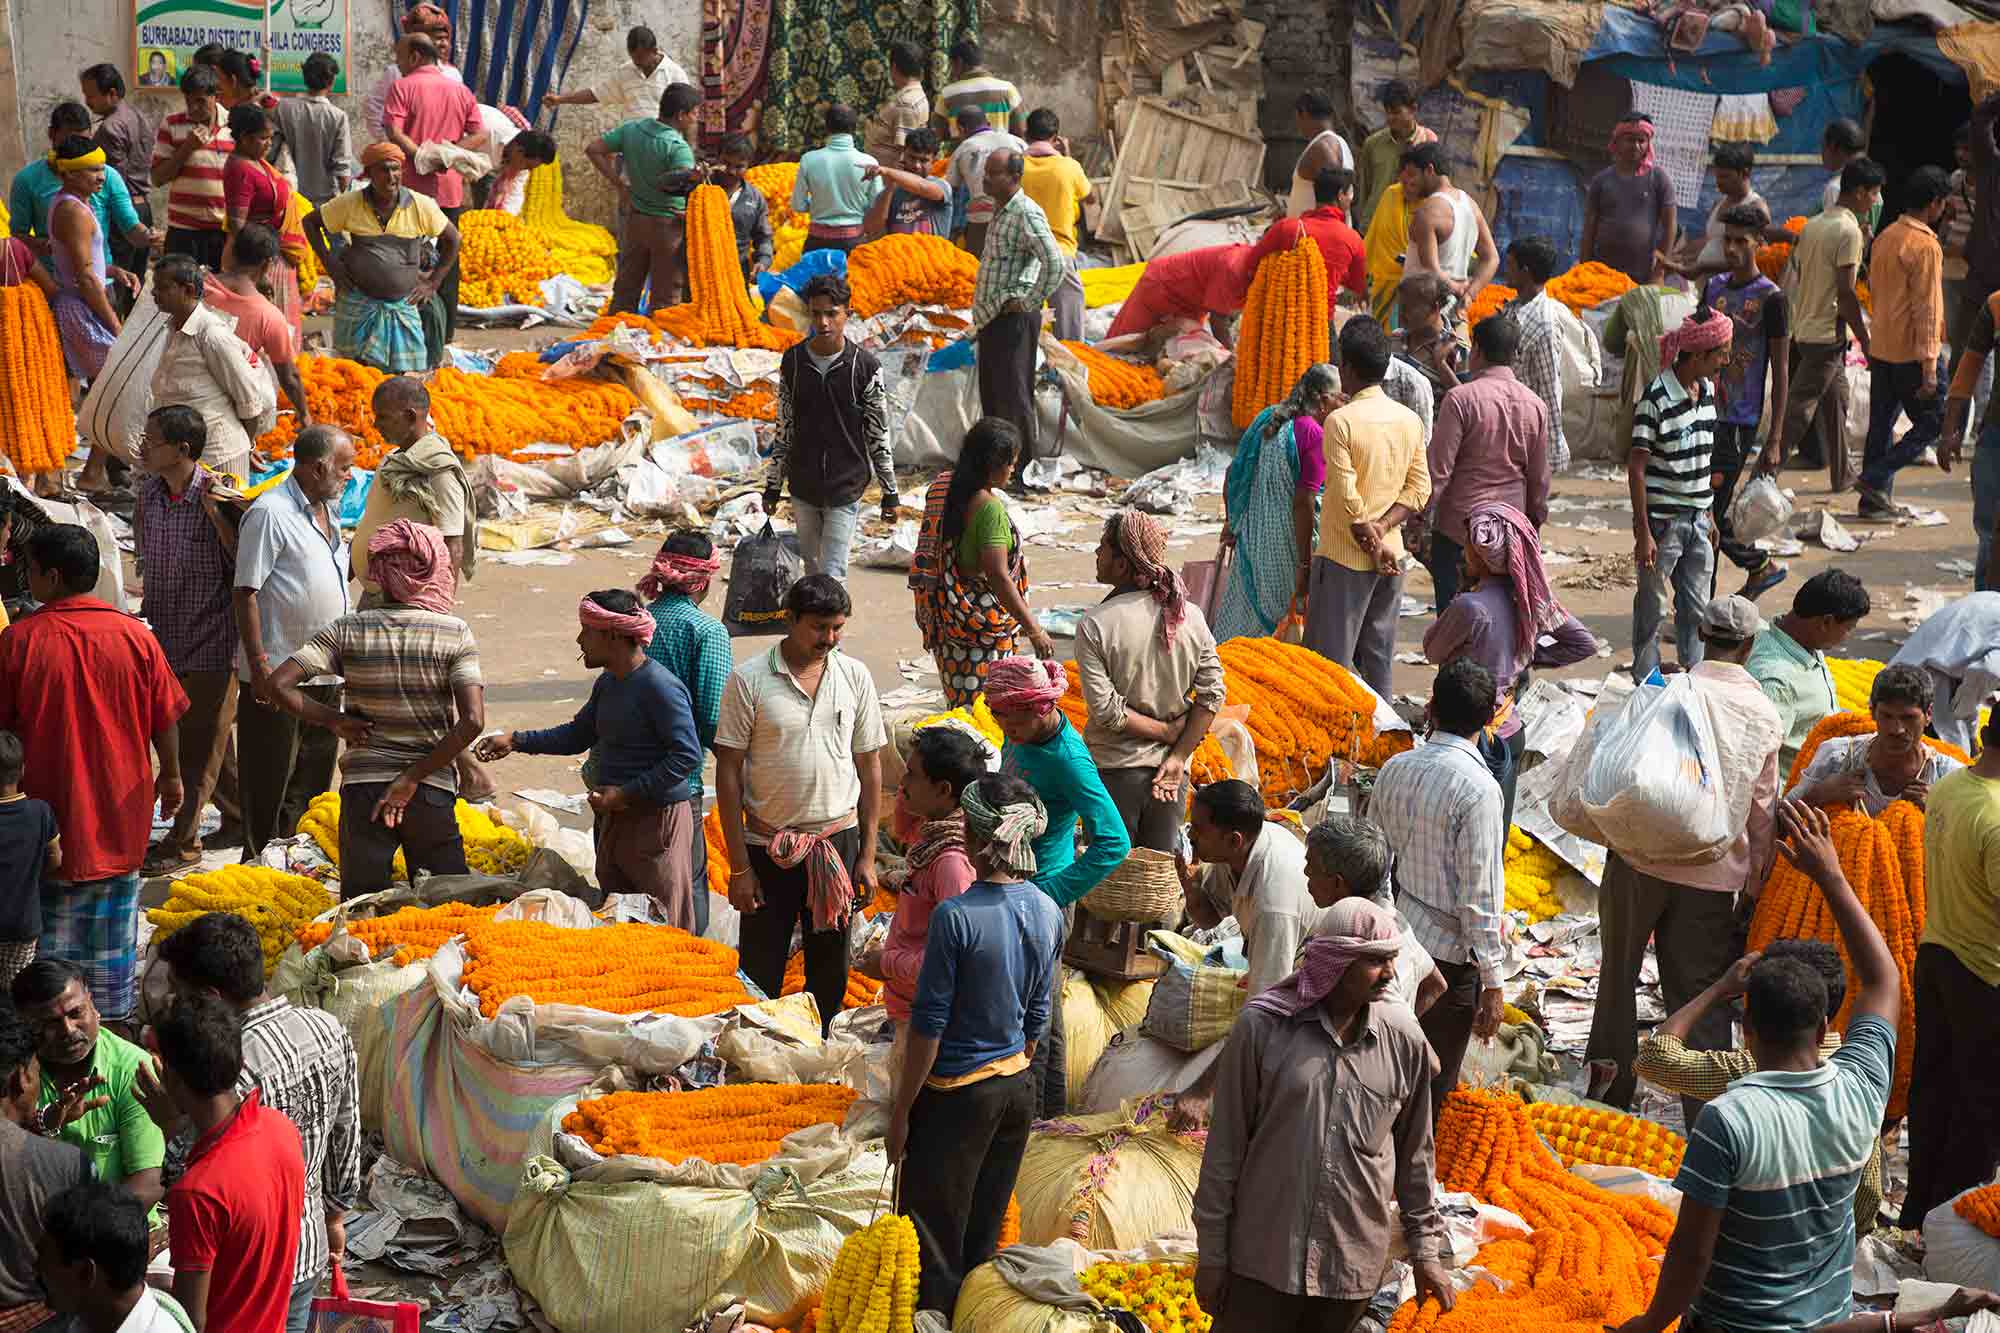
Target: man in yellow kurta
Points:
x,y
1388,236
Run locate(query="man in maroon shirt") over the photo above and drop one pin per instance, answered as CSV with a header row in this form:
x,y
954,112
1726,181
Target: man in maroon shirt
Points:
x,y
1326,224
428,107
86,687
233,1218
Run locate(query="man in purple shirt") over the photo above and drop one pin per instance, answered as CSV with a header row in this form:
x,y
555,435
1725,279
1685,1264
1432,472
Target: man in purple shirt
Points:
x,y
187,553
1490,446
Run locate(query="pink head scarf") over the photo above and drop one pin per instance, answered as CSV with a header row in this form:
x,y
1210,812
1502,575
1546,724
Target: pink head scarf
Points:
x,y
1506,541
1144,543
1696,334
638,625
413,566
1642,130
687,574
1352,928
1025,685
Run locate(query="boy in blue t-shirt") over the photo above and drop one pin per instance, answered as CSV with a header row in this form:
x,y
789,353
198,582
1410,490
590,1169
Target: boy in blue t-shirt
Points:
x,y
1763,338
30,851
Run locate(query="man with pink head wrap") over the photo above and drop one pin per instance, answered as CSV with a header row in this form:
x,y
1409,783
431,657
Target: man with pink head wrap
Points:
x,y
1628,210
1318,1060
1140,653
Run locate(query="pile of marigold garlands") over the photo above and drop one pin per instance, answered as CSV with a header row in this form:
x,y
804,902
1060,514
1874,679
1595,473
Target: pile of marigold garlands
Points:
x,y
718,312
585,251
906,269
1532,870
491,847
406,935
37,427
1772,258
1587,285
1160,1294
1118,383
1284,329
276,903
740,1124
1981,1207
1492,297
622,969
1883,859
774,180
873,1288
1608,1138
501,260
1591,1258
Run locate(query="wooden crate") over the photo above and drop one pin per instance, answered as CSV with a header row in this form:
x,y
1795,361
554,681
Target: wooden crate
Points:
x,y
1111,949
1169,156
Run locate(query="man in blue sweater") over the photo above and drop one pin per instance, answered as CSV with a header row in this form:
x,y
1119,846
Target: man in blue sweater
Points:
x,y
1046,751
642,724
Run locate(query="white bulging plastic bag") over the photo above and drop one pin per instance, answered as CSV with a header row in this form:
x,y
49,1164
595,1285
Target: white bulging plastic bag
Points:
x,y
1759,510
1647,780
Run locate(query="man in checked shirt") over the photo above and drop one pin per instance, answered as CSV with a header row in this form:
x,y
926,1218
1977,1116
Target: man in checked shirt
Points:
x,y
304,1064
1440,808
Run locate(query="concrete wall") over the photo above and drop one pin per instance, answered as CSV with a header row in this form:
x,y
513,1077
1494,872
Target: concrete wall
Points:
x,y
1047,75
1305,46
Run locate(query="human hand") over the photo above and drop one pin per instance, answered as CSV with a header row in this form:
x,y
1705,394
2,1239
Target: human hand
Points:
x,y
497,746
351,728
1185,869
873,171
75,1101
124,278
609,800
1644,549
1211,1288
1736,980
1045,647
744,895
1387,562
389,810
866,879
1366,535
336,1238
1767,460
1949,447
1434,1282
1805,837
891,509
260,685
151,1090
897,1140
1167,779
171,793
1486,1019
1916,793
1967,1300
1225,540
771,499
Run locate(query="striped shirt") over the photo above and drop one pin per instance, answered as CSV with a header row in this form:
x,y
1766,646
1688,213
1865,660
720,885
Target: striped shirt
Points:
x,y
194,197
304,1063
995,96
1440,809
1677,429
1781,1154
402,664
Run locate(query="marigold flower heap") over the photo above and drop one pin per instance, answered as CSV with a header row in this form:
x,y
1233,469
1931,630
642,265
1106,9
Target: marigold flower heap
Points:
x,y
718,312
585,251
740,1124
1531,877
1772,258
502,260
873,1288
37,427
861,992
1489,301
1160,1294
1284,329
1587,285
1608,1138
1981,1207
1116,383
774,180
905,269
274,902
407,935
1592,1257
622,969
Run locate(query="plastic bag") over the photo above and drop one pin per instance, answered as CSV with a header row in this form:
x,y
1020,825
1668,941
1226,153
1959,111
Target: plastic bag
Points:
x,y
1646,781
1956,1250
113,415
760,574
810,266
1759,510
341,1313
1134,1065
1107,1181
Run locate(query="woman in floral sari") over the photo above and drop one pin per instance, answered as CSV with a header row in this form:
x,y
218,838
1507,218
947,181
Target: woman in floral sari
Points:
x,y
1271,496
968,578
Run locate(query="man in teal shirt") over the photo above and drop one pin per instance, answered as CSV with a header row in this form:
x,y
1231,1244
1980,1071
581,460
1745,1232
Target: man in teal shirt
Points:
x,y
1045,750
36,185
659,160
1789,657
90,1077
834,186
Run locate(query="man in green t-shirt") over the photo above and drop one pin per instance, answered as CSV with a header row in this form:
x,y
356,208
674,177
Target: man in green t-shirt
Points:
x,y
652,197
89,1093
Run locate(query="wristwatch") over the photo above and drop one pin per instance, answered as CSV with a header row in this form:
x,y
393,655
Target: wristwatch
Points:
x,y
48,1120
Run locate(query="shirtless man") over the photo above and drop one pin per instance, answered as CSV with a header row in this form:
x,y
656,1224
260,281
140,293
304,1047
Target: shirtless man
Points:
x,y
1324,148
1448,232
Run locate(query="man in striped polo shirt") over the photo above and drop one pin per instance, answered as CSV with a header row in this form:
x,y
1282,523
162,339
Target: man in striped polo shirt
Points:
x,y
188,157
974,85
1765,1239
1673,437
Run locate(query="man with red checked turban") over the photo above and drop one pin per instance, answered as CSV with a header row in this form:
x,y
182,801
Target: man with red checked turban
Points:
x,y
646,752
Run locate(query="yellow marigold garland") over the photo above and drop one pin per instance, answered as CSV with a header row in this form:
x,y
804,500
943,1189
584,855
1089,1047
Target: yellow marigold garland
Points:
x,y
622,969
407,935
1532,870
740,1124
1117,383
873,1288
501,260
1981,1207
907,269
583,250
1284,329
1608,1138
1160,1294
37,427
274,902
718,311
491,848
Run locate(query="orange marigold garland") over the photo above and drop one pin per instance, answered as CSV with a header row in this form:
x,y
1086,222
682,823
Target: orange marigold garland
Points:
x,y
718,312
906,269
1284,329
861,992
1116,383
740,1124
1587,285
408,935
1489,301
622,969
1981,1207
37,427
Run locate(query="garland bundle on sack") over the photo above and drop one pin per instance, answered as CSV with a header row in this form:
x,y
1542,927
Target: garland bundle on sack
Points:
x,y
740,1124
874,1284
1981,1207
1591,1259
1284,329
585,251
1587,285
501,260
908,269
1608,1138
276,903
622,969
407,935
1108,1182
717,312
1531,877
491,848
1116,383
37,425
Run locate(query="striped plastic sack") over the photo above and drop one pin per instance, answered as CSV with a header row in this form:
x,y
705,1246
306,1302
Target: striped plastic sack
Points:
x,y
1197,999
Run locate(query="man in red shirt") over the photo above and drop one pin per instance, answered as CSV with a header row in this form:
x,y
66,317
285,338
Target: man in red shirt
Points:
x,y
427,107
1193,285
86,687
1326,224
233,1217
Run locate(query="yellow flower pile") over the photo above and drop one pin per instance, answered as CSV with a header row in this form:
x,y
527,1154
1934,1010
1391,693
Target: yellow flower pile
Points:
x,y
1607,1138
586,252
1587,285
873,1288
490,847
906,269
774,180
1853,678
1283,331
408,935
1160,1294
1531,877
717,312
1117,383
1102,286
501,259
740,1124
37,427
275,903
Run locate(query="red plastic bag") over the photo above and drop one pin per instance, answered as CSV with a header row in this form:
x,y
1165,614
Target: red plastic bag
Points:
x,y
340,1313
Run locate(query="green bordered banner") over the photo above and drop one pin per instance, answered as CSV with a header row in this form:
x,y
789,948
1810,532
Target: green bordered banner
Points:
x,y
167,33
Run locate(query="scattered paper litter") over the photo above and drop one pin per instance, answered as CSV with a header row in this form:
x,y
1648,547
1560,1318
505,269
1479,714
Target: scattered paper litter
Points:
x,y
909,696
1834,537
1962,568
536,557
574,804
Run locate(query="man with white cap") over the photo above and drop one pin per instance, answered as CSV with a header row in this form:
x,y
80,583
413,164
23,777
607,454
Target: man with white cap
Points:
x,y
1689,912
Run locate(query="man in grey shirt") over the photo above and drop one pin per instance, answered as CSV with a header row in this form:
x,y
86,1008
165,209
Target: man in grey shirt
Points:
x,y
316,132
38,1168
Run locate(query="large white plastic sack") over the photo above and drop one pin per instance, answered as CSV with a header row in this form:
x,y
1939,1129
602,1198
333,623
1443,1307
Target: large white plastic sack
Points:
x,y
1646,781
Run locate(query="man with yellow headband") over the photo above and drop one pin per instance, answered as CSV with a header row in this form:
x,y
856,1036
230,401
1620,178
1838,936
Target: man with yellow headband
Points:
x,y
387,313
36,185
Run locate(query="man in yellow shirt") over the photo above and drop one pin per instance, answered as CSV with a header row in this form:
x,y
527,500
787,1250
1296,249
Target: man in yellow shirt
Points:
x,y
1955,1083
1388,236
1376,477
1053,179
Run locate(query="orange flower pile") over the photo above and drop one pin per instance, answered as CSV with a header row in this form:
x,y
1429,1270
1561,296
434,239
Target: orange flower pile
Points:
x,y
718,395
1589,285
861,991
1283,331
738,1125
1608,1138
1116,383
622,969
502,260
719,312
409,934
1981,1207
1592,1257
1489,301
1010,1223
906,269
341,393
1772,258
37,427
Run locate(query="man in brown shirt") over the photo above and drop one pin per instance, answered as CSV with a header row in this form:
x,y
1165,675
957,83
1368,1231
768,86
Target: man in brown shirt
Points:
x,y
1322,1115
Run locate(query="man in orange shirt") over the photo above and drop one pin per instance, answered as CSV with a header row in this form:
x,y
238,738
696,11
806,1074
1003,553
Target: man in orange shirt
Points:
x,y
1906,277
1326,224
